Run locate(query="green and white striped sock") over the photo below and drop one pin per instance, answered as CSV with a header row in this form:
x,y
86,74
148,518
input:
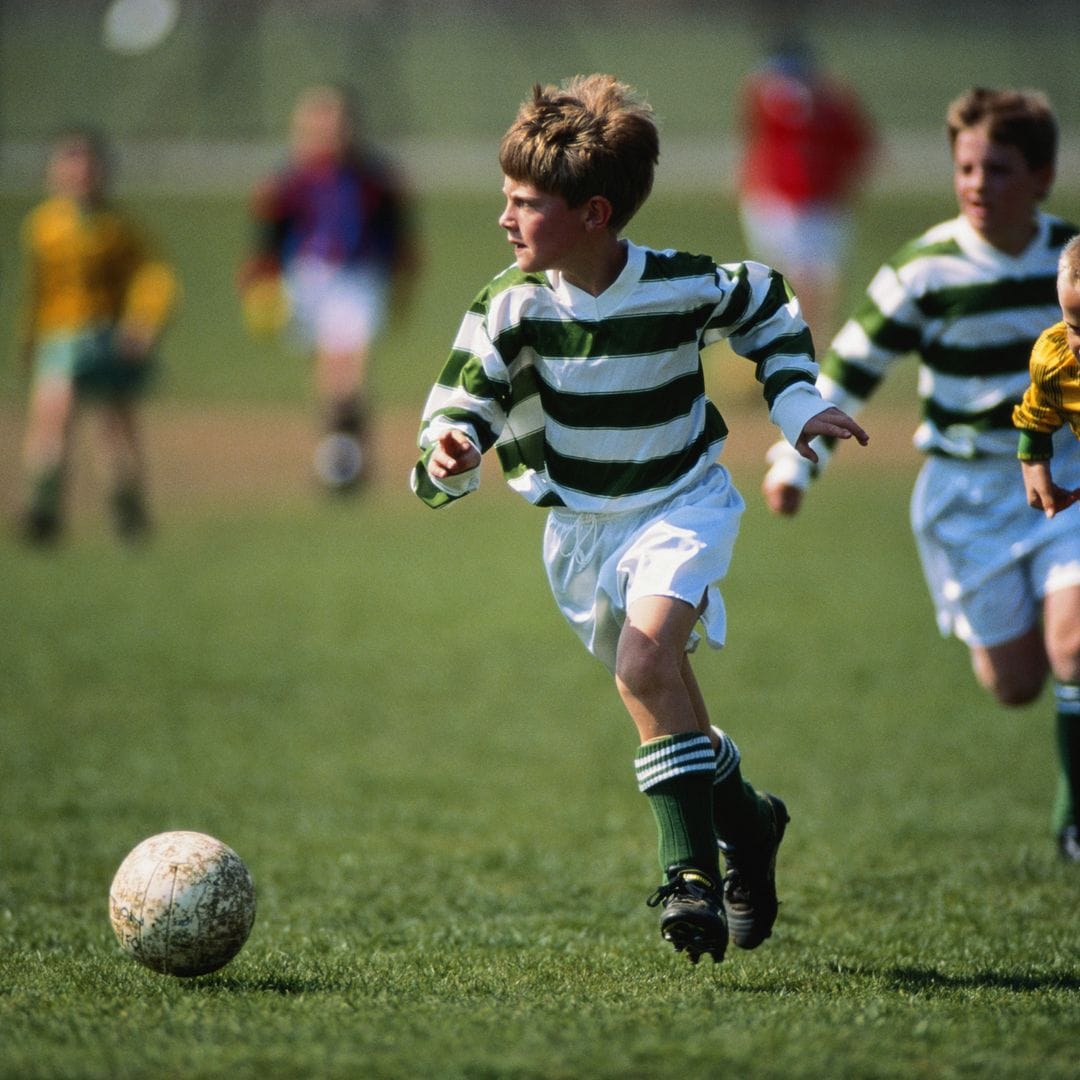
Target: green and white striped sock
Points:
x,y
1067,697
676,773
740,814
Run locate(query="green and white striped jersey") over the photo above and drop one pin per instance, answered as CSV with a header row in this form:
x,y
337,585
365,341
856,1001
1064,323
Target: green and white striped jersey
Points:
x,y
971,314
597,403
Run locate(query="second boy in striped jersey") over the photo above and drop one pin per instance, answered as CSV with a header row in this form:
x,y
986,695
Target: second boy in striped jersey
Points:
x,y
581,366
969,297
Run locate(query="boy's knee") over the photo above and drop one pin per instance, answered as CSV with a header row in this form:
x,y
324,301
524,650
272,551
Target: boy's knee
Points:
x,y
1012,688
641,665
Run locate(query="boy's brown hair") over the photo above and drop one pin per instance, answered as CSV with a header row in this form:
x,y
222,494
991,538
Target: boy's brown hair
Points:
x,y
591,136
1020,118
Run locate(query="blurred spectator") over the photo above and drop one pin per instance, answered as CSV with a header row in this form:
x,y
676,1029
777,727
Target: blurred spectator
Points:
x,y
335,252
807,148
97,300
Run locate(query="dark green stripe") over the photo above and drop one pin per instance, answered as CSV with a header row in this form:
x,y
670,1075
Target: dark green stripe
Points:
x,y
776,384
624,409
639,335
783,344
855,380
998,418
464,369
886,333
961,301
984,360
525,452
677,266
618,478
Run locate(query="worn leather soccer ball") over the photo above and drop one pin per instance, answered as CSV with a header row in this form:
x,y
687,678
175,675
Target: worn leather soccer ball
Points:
x,y
182,903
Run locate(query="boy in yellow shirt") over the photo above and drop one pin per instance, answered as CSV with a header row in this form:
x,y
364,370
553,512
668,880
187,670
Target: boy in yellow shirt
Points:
x,y
1053,398
97,302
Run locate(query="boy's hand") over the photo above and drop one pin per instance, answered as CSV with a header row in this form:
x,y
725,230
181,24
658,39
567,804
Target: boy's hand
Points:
x,y
1042,493
832,423
783,499
134,340
453,454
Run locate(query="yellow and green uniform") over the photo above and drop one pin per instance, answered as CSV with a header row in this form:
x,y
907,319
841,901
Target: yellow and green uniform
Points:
x,y
89,271
1053,398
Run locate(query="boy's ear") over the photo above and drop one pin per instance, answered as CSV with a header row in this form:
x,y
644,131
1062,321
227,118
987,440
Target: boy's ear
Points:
x,y
598,211
1045,177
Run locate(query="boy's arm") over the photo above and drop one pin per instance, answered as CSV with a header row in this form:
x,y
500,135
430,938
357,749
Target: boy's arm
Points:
x,y
882,330
1037,417
1042,493
463,417
449,465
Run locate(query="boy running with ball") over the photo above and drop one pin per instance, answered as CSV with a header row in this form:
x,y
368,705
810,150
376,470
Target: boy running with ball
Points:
x,y
580,364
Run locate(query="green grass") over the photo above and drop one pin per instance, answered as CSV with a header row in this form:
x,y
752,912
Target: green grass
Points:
x,y
431,783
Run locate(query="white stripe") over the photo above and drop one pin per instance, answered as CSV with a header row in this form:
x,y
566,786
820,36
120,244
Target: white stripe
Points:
x,y
727,758
694,755
1068,698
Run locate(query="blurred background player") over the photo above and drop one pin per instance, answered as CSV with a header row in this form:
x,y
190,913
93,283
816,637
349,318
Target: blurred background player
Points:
x,y
1053,398
97,301
970,297
808,145
334,252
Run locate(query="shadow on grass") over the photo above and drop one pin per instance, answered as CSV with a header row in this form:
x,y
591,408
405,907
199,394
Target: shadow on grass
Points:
x,y
929,979
286,985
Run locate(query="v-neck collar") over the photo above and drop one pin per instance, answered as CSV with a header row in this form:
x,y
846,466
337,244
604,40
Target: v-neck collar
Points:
x,y
593,308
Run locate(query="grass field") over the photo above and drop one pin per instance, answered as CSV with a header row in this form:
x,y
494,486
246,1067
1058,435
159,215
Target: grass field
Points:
x,y
431,784
378,707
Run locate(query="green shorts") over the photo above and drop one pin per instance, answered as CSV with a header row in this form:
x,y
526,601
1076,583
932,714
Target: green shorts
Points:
x,y
89,361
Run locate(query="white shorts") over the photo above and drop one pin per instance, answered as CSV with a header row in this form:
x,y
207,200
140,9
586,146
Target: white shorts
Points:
x,y
988,557
598,565
336,309
800,241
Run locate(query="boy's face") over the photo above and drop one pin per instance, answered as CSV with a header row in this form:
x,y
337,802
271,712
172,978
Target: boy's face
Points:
x,y
1069,298
545,233
320,130
74,170
998,193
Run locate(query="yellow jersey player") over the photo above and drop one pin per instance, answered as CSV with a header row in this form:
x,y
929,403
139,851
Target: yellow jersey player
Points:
x,y
97,302
1053,398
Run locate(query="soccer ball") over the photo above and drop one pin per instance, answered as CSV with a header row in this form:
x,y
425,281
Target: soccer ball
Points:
x,y
182,903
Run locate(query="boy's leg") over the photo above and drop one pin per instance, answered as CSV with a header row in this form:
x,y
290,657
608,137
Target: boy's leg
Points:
x,y
121,433
675,766
1062,628
340,455
52,407
749,827
1067,721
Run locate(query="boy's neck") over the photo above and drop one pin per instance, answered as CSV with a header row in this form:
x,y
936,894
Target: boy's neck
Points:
x,y
598,271
1014,241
